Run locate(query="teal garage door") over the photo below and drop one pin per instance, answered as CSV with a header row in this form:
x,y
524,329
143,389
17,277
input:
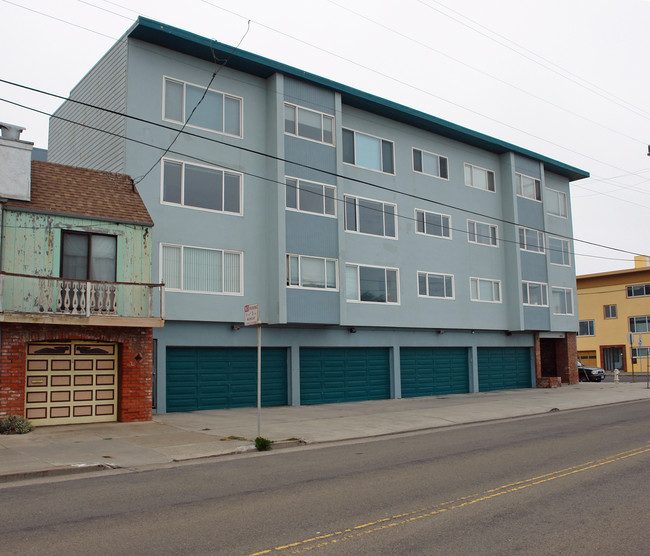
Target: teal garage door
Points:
x,y
331,375
221,378
503,368
434,371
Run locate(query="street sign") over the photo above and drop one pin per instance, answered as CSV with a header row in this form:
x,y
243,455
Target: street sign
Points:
x,y
251,314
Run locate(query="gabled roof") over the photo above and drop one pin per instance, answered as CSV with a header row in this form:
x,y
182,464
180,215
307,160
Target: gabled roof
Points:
x,y
191,44
80,192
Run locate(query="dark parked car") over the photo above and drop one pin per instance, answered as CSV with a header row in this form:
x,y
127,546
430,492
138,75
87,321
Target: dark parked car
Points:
x,y
590,374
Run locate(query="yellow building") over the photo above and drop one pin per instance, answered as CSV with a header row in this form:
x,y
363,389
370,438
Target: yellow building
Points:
x,y
614,313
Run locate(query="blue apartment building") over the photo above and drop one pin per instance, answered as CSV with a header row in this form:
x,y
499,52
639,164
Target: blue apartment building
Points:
x,y
392,253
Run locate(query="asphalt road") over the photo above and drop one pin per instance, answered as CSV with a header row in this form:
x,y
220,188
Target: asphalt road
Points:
x,y
563,483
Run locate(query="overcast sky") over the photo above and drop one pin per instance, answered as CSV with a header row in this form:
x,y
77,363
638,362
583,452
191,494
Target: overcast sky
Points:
x,y
568,79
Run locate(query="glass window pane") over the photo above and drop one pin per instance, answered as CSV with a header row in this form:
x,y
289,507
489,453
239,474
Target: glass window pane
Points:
x,y
171,267
372,284
351,282
328,130
309,124
330,200
422,283
209,113
290,119
446,226
468,174
311,197
430,164
232,272
103,258
292,194
294,276
391,286
419,221
449,286
524,293
434,224
232,114
348,146
173,100
231,192
387,157
491,185
497,291
203,187
480,178
444,169
474,288
436,285
75,256
371,217
486,290
330,269
202,270
172,182
350,213
368,151
417,160
312,272
389,220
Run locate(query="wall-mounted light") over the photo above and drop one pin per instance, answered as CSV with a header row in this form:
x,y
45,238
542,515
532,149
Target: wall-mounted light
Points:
x,y
352,330
440,331
235,327
508,333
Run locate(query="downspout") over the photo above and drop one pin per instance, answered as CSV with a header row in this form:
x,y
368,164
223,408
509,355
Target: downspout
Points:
x,y
2,229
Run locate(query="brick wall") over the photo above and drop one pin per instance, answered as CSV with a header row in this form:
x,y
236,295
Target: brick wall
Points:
x,y
556,357
135,364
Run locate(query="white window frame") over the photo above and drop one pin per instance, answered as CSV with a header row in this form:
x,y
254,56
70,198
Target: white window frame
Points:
x,y
525,291
438,156
562,200
222,251
568,294
322,115
630,288
520,187
444,276
566,255
383,203
607,311
524,246
381,155
202,87
591,329
474,224
325,260
641,352
182,203
386,269
472,168
477,280
424,213
298,193
647,324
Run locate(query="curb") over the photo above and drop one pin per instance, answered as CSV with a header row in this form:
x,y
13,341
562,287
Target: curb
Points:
x,y
54,472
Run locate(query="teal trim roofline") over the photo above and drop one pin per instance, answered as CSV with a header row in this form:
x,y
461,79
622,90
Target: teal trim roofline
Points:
x,y
166,36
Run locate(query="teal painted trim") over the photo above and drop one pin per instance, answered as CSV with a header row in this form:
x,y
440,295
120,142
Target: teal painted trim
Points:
x,y
194,45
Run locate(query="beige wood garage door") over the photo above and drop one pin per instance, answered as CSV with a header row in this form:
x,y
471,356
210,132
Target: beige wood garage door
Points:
x,y
71,382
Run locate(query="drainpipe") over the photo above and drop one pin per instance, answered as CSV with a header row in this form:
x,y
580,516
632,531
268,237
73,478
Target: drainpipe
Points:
x,y
2,229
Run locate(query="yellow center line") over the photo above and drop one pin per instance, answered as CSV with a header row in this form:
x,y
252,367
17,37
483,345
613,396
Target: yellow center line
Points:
x,y
430,511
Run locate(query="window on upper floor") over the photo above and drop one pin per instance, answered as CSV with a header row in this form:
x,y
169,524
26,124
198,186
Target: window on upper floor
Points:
x,y
531,240
639,324
432,224
528,187
479,177
317,273
371,284
482,233
216,111
86,256
366,216
556,204
586,328
203,187
368,151
641,352
638,290
485,290
431,284
308,124
610,311
309,196
562,301
534,293
559,251
431,164
201,270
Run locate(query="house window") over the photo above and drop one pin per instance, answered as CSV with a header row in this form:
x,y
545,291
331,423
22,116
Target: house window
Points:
x,y
217,111
639,290
485,290
431,164
559,250
481,233
639,324
562,301
586,328
641,352
200,270
88,256
311,272
308,124
531,240
435,285
203,187
371,284
479,177
556,203
432,224
534,293
368,151
308,196
610,311
528,187
366,216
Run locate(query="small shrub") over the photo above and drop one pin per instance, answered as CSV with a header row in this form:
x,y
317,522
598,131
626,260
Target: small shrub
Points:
x,y
14,424
263,444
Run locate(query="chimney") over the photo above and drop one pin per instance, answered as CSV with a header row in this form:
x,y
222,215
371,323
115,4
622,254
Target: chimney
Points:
x,y
15,163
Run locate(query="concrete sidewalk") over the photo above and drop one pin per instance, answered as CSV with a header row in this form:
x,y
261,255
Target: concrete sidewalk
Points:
x,y
185,436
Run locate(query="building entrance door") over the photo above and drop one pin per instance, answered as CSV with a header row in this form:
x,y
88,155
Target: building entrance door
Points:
x,y
613,358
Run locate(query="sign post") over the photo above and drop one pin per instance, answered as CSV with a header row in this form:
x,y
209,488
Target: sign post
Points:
x,y
252,317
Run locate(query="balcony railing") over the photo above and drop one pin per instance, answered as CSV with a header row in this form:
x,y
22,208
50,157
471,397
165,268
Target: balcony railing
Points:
x,y
46,295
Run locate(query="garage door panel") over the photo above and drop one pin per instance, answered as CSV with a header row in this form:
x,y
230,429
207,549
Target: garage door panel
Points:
x,y
504,368
434,371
